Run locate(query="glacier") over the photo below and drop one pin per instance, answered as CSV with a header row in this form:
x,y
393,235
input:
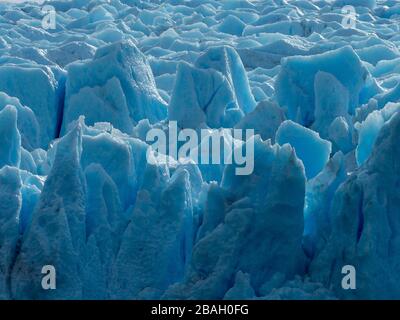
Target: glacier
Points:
x,y
83,84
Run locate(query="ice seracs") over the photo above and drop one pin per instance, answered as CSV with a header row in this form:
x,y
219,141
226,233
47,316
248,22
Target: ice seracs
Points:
x,y
41,89
10,206
295,83
313,151
364,232
77,189
119,66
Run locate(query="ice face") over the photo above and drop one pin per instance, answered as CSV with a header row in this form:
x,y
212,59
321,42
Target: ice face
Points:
x,y
10,138
227,61
26,122
265,119
84,83
369,129
251,215
157,244
40,89
309,147
116,67
10,199
59,221
202,97
366,216
295,83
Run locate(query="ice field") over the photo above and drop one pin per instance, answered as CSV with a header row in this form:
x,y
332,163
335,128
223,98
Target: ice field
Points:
x,y
84,84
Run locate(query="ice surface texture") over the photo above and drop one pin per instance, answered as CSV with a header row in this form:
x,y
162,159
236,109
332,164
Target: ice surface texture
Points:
x,y
77,191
